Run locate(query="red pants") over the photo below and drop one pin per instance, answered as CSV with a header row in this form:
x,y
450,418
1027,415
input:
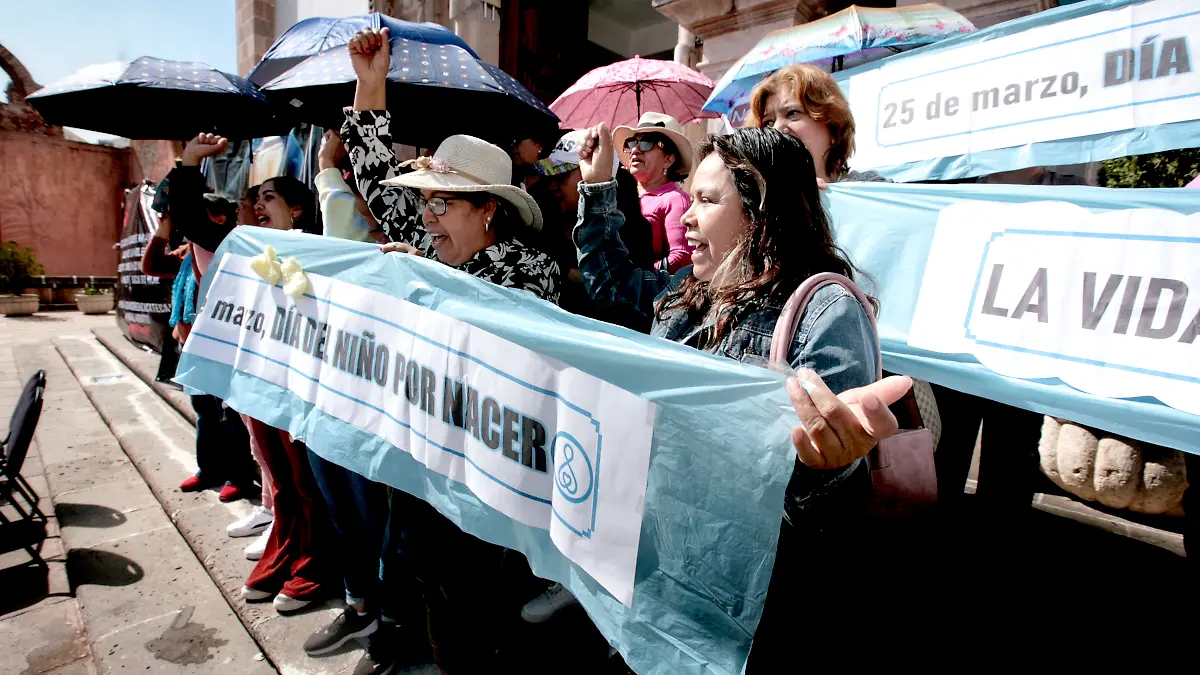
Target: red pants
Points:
x,y
297,559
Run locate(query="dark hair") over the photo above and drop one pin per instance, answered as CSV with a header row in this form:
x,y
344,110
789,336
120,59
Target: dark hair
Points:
x,y
674,174
787,240
218,206
295,193
252,193
506,223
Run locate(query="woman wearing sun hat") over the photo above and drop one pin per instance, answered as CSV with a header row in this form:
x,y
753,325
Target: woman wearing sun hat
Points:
x,y
474,218
659,156
459,208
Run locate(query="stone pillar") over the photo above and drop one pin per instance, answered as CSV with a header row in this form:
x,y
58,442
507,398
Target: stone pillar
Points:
x,y
685,48
729,28
433,11
255,31
477,22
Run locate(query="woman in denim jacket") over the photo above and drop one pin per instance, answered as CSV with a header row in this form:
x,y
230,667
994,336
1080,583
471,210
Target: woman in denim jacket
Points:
x,y
759,231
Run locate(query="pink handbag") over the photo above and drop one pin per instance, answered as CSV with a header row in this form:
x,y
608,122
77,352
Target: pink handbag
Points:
x,y
903,475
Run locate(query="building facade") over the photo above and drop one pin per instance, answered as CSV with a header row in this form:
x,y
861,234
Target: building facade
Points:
x,y
548,44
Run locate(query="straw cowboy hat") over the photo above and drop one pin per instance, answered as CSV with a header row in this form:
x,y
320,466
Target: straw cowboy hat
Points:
x,y
666,125
467,164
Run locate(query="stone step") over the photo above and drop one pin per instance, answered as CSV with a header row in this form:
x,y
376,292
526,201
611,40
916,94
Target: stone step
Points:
x,y
145,601
200,516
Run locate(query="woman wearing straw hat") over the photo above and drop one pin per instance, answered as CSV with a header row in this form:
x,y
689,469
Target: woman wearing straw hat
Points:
x,y
460,208
659,156
473,216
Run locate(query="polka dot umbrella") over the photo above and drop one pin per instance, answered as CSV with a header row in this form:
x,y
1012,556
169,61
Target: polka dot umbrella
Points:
x,y
434,90
311,37
620,92
153,98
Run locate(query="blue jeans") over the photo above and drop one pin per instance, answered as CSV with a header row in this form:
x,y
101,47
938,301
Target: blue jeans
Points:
x,y
358,508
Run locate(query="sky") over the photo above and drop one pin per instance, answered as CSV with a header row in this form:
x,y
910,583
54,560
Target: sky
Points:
x,y
55,38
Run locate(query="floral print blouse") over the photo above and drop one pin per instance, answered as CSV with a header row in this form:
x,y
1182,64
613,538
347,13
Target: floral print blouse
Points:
x,y
509,263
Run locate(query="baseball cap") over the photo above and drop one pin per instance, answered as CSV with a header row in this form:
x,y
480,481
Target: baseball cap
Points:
x,y
565,156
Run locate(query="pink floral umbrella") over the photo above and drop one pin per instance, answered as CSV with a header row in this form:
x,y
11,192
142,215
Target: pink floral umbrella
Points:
x,y
619,93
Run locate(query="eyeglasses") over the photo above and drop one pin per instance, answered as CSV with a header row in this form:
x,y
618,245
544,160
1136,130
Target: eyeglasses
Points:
x,y
641,144
437,204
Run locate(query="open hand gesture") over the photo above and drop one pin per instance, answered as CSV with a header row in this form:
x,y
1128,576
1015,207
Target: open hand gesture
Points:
x,y
836,430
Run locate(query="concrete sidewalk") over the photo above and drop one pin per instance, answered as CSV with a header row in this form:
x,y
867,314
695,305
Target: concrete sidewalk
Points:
x,y
124,591
131,407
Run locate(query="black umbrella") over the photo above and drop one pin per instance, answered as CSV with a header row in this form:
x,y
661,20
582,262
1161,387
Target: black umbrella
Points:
x,y
434,90
310,37
158,99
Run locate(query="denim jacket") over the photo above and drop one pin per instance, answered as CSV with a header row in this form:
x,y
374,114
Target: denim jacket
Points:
x,y
834,338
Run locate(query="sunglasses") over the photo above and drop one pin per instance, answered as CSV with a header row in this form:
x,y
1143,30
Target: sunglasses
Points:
x,y
641,144
437,204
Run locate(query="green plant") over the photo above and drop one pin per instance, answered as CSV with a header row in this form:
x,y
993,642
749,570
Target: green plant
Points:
x,y
1174,168
92,289
17,265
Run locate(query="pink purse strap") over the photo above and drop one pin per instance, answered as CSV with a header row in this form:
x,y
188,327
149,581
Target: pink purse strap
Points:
x,y
793,311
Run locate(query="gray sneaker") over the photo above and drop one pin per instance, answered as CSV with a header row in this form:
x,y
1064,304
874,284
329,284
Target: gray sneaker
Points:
x,y
549,603
383,651
347,626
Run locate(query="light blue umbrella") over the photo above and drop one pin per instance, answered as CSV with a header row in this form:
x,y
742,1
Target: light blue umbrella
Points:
x,y
851,37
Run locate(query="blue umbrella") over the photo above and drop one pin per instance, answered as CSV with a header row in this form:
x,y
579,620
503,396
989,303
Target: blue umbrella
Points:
x,y
313,36
153,98
849,38
433,91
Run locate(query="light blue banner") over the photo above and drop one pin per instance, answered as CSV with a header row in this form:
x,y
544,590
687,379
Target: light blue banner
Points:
x,y
888,229
1099,147
720,459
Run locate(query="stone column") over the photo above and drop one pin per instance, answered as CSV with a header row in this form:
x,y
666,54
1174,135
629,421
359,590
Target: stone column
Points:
x,y
255,31
729,28
477,22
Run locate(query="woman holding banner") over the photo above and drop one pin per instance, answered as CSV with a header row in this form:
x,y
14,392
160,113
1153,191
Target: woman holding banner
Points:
x,y
460,207
757,236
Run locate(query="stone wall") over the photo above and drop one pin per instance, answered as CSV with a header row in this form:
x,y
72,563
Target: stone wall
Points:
x,y
63,199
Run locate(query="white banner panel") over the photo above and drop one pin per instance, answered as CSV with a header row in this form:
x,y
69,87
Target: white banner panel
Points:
x,y
1104,72
543,443
1109,303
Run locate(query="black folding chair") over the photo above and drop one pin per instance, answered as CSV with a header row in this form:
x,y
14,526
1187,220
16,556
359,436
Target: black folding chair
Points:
x,y
28,529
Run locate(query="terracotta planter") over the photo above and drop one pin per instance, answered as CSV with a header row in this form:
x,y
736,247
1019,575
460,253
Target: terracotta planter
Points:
x,y
94,304
18,305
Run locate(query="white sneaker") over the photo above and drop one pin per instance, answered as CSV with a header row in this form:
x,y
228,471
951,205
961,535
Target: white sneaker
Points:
x,y
254,595
286,603
258,520
259,546
544,606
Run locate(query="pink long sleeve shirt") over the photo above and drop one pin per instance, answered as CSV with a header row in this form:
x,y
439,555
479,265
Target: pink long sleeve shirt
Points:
x,y
664,207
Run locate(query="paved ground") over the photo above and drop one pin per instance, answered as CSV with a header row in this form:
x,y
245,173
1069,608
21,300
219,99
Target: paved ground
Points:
x,y
124,592
165,458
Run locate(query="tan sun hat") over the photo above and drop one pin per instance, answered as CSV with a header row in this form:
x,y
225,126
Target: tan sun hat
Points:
x,y
467,164
658,123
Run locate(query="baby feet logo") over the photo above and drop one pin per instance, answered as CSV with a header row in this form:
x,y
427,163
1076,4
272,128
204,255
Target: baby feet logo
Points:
x,y
573,473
